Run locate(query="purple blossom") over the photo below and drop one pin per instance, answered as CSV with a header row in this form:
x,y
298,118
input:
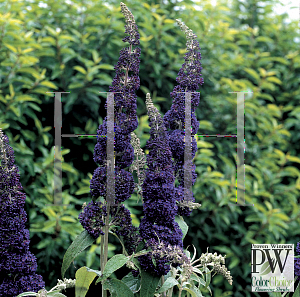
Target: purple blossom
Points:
x,y
124,184
92,218
124,86
189,78
17,263
297,267
158,224
121,217
298,248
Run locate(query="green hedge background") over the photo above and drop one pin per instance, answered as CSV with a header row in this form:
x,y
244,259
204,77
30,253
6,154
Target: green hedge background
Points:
x,y
244,47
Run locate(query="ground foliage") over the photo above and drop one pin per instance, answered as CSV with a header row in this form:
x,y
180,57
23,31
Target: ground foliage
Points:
x,y
244,47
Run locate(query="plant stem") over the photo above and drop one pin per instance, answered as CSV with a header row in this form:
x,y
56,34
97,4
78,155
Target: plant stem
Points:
x,y
101,259
104,292
180,290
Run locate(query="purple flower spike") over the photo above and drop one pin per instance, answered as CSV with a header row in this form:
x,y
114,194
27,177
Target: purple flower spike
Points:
x,y
124,86
158,224
17,263
189,78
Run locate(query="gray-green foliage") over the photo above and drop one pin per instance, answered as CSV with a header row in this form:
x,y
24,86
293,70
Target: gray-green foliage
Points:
x,y
242,50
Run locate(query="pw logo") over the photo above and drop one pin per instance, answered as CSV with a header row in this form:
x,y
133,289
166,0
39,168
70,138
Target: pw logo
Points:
x,y
272,268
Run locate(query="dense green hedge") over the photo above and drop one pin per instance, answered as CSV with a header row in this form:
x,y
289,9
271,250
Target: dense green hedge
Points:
x,y
241,51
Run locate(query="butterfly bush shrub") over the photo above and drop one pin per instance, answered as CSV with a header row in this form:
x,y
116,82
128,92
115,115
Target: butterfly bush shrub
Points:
x,y
153,252
124,87
17,263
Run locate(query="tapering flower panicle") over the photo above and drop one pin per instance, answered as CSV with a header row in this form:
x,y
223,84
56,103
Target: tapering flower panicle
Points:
x,y
17,263
123,86
216,261
158,223
189,77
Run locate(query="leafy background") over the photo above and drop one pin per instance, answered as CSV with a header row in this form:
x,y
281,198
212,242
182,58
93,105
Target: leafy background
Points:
x,y
243,47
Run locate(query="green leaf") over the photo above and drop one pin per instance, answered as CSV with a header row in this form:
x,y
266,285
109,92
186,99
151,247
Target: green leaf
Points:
x,y
40,91
49,84
182,224
136,263
38,124
144,89
21,98
42,244
118,287
253,73
207,277
76,85
80,69
83,190
12,48
281,60
198,292
49,39
15,110
46,139
149,284
106,66
264,39
274,80
68,167
235,261
98,272
66,37
27,294
4,126
84,279
112,265
96,56
140,246
293,159
133,283
48,225
191,292
68,219
81,242
51,31
267,97
29,134
169,283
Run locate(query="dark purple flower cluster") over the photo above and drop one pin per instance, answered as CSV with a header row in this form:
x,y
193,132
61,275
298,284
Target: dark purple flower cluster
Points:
x,y
189,77
123,86
121,218
92,218
17,263
160,256
160,207
297,261
124,184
